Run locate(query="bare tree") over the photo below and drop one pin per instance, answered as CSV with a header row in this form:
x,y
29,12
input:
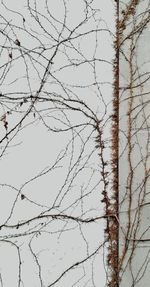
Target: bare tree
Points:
x,y
74,143
56,166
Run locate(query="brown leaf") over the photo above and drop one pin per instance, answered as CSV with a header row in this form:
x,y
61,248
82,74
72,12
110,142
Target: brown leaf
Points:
x,y
17,42
10,55
22,196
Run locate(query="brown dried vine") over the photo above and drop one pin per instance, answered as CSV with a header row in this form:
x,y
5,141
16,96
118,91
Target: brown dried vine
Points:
x,y
113,250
